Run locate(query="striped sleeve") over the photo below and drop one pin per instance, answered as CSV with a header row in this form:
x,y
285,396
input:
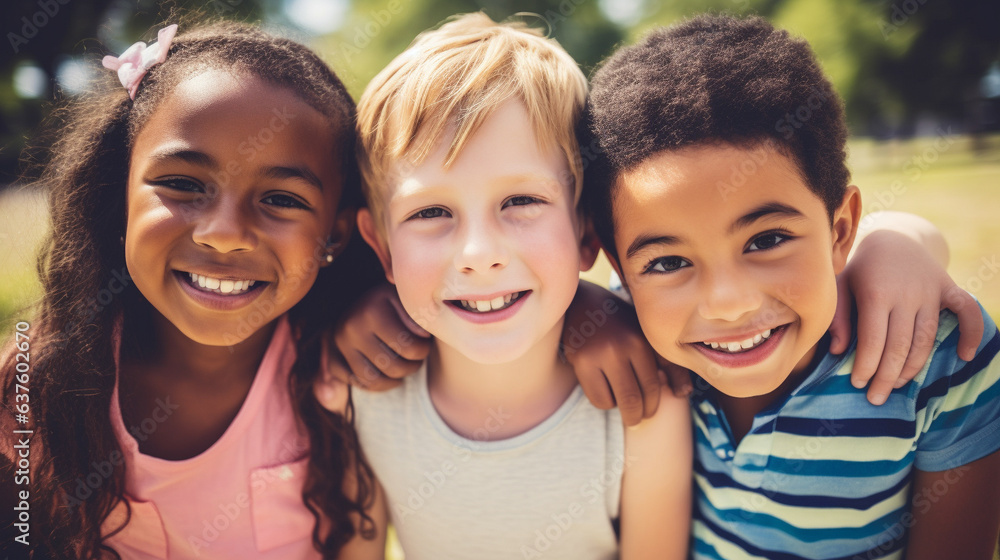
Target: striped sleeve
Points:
x,y
958,405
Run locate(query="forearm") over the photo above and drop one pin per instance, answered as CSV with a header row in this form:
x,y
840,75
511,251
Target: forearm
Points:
x,y
912,226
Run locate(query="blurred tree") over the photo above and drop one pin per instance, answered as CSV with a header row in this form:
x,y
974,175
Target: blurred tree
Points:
x,y
377,31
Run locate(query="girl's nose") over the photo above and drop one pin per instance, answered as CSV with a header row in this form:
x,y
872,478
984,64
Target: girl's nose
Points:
x,y
728,295
225,227
482,248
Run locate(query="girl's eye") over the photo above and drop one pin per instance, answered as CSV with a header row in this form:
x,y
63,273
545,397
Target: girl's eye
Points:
x,y
521,200
284,201
180,184
767,241
430,213
666,265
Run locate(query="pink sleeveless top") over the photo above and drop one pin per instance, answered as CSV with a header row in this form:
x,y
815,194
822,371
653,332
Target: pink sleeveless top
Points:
x,y
240,498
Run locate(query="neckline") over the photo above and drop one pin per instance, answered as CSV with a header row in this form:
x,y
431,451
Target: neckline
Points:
x,y
491,446
263,378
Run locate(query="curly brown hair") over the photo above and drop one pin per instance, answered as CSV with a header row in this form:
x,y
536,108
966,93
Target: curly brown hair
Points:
x,y
711,79
73,357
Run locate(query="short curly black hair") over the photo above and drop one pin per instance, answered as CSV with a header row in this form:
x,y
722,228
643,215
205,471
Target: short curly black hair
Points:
x,y
711,79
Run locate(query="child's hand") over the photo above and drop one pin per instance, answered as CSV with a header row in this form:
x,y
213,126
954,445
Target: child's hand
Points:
x,y
614,363
900,289
376,346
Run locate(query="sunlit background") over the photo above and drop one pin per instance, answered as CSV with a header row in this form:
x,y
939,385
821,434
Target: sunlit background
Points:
x,y
920,78
921,81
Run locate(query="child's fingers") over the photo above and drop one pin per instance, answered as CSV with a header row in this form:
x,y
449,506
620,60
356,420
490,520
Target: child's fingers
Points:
x,y
367,375
648,376
391,364
970,321
595,387
627,394
678,378
407,321
873,323
924,330
840,329
897,347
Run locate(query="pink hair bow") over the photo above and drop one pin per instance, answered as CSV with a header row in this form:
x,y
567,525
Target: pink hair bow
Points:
x,y
133,64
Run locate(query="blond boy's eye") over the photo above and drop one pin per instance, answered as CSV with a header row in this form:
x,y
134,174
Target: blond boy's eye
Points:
x,y
522,200
430,213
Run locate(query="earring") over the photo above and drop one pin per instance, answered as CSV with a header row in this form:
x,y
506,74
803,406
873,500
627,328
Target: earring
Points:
x,y
331,248
122,240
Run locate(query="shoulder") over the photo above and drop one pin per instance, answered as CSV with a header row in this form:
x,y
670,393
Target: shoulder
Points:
x,y
944,361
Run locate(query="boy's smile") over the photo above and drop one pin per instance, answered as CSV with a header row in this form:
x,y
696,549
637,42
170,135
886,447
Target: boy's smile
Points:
x,y
733,279
485,253
232,193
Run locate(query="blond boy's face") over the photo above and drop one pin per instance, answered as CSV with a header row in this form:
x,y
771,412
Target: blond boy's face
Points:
x,y
485,254
731,262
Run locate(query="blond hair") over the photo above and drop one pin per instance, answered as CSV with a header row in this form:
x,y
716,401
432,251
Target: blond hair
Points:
x,y
457,75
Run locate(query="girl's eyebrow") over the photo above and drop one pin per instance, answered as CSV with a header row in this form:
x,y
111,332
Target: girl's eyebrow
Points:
x,y
193,157
292,172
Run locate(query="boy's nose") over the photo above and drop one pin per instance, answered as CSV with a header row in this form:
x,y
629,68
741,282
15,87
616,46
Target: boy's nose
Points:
x,y
481,249
224,226
728,296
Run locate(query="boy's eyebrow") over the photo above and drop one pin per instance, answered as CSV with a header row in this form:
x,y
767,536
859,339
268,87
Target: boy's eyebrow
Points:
x,y
645,240
765,209
293,172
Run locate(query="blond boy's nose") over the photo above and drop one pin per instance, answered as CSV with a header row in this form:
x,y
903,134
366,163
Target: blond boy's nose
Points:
x,y
481,249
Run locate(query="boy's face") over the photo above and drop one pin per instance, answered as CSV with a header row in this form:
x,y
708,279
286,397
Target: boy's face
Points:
x,y
485,254
731,262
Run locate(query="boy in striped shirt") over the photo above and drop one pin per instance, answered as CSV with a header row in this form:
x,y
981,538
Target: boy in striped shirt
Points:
x,y
719,186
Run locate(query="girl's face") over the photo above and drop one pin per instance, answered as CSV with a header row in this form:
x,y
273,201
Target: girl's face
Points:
x,y
232,196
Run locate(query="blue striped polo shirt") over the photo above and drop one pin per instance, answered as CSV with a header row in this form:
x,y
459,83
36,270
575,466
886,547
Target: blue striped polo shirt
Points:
x,y
823,474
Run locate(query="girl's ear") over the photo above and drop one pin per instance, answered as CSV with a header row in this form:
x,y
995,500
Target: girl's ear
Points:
x,y
372,236
845,227
340,234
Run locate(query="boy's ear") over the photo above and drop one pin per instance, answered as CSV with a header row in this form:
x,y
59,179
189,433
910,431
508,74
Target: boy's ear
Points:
x,y
845,227
369,231
590,246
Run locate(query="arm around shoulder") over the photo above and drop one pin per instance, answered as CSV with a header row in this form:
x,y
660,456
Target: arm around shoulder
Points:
x,y
656,485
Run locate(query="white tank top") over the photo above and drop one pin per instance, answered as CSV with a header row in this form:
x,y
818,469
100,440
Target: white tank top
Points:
x,y
552,492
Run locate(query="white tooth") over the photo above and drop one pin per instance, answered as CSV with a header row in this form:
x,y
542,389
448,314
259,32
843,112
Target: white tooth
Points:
x,y
506,298
733,346
766,333
226,286
746,343
497,302
244,285
211,283
194,277
482,306
715,345
468,305
757,338
202,281
251,282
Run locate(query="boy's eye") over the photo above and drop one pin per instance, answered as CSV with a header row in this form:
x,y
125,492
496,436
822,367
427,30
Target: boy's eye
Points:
x,y
767,241
430,213
521,200
284,201
666,265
